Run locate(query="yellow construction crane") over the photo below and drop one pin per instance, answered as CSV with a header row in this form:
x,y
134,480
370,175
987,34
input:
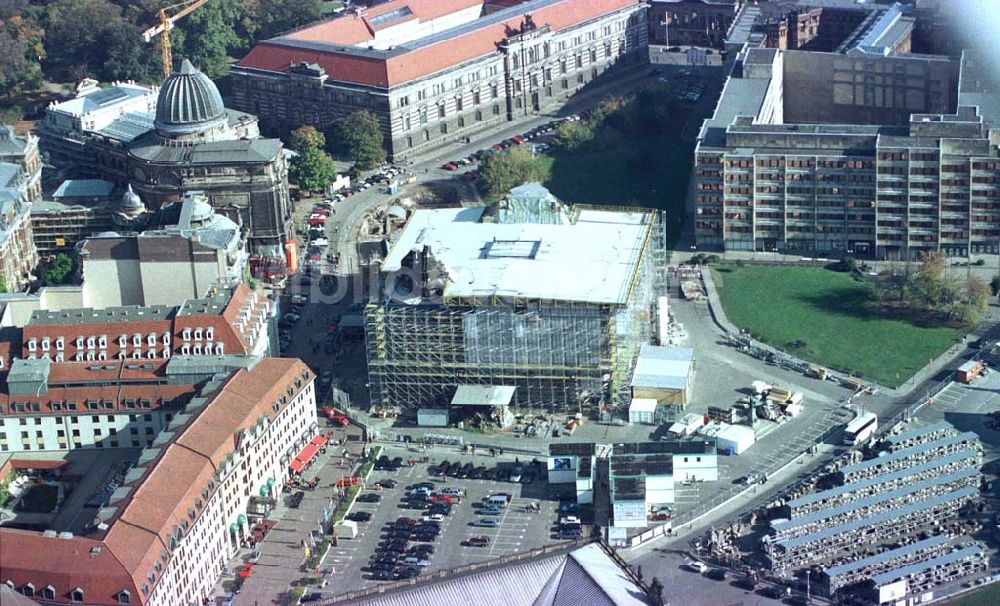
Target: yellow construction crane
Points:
x,y
167,18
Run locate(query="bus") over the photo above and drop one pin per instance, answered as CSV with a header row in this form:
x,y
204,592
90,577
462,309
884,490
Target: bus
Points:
x,y
861,429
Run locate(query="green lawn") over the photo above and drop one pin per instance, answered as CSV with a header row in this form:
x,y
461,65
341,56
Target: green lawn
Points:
x,y
833,318
613,177
988,595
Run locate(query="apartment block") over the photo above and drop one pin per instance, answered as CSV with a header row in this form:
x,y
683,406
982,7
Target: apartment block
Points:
x,y
866,154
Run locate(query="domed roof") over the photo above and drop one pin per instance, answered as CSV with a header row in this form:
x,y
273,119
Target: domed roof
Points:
x,y
189,102
132,201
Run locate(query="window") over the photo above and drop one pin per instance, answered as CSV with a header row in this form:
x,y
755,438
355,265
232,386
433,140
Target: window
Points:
x,y
197,334
423,116
49,592
28,590
458,104
151,339
186,334
124,597
209,333
137,340
76,595
219,349
91,342
60,343
122,340
475,98
45,342
441,111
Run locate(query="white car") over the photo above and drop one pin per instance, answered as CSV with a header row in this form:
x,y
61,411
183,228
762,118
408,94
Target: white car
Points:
x,y
320,242
436,517
696,566
569,520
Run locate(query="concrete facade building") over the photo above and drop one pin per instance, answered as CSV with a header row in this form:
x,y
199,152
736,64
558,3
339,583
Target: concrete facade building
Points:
x,y
166,533
861,154
176,138
469,301
436,71
194,248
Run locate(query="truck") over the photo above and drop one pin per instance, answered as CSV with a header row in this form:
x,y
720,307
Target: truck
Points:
x,y
335,418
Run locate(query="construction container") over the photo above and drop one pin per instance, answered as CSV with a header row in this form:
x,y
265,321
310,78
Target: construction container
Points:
x,y
969,371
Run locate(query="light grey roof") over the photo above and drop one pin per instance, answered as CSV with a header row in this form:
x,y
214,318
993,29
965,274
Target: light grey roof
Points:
x,y
482,395
740,97
82,315
530,260
905,453
662,367
10,143
84,188
188,102
211,152
919,432
899,512
129,126
875,499
905,571
885,556
883,478
587,576
9,174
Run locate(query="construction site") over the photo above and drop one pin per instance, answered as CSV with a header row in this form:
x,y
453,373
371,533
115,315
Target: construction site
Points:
x,y
549,301
884,524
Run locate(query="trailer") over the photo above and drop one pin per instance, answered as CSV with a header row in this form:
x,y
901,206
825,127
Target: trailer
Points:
x,y
969,371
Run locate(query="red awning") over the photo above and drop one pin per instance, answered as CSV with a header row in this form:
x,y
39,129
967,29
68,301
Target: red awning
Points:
x,y
308,453
296,466
319,441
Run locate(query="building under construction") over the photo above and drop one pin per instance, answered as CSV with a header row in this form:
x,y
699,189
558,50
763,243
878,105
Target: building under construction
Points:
x,y
552,302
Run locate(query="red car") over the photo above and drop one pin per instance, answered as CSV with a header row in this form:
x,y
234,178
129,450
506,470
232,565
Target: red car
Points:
x,y
321,211
317,221
498,147
450,166
518,139
335,417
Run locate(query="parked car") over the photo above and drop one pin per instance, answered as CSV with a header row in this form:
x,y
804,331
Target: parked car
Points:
x,y
407,572
360,516
416,561
753,479
370,497
387,483
528,477
311,597
452,491
296,499
479,541
488,522
450,166
382,575
477,473
434,517
696,566
454,469
466,470
516,473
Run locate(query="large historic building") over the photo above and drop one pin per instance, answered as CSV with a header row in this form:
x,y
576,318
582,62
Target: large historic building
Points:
x,y
180,137
217,436
435,71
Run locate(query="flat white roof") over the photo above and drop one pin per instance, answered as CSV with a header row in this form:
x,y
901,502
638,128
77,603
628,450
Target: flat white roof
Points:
x,y
662,367
592,260
642,405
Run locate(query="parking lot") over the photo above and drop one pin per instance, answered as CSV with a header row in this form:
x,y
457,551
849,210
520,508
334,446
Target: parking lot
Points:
x,y
518,530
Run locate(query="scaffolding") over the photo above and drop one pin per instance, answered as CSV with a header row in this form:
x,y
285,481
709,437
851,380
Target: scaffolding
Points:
x,y
560,355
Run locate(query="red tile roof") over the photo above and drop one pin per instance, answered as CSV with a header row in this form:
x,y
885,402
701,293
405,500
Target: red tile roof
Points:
x,y
161,500
351,28
278,55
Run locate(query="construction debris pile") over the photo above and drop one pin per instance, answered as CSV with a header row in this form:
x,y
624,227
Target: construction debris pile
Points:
x,y
893,525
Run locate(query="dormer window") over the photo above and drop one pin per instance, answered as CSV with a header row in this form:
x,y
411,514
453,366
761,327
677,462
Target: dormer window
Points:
x,y
186,334
166,353
32,344
102,355
124,597
28,590
136,355
90,356
102,341
185,349
91,342
137,340
197,334
45,342
59,356
121,354
151,339
78,356
219,349
79,342
122,341
166,338
76,595
209,333
151,354
197,349
60,343
49,592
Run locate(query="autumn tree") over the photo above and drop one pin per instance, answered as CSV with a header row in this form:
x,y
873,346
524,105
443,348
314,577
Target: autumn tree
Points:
x,y
506,170
311,167
359,138
21,51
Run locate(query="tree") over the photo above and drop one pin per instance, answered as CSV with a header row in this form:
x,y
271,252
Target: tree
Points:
x,y
20,54
213,32
127,57
277,16
60,271
656,591
974,303
932,289
3,285
359,137
506,170
573,135
75,36
311,167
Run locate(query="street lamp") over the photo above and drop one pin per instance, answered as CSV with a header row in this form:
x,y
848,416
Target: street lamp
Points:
x,y
808,592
